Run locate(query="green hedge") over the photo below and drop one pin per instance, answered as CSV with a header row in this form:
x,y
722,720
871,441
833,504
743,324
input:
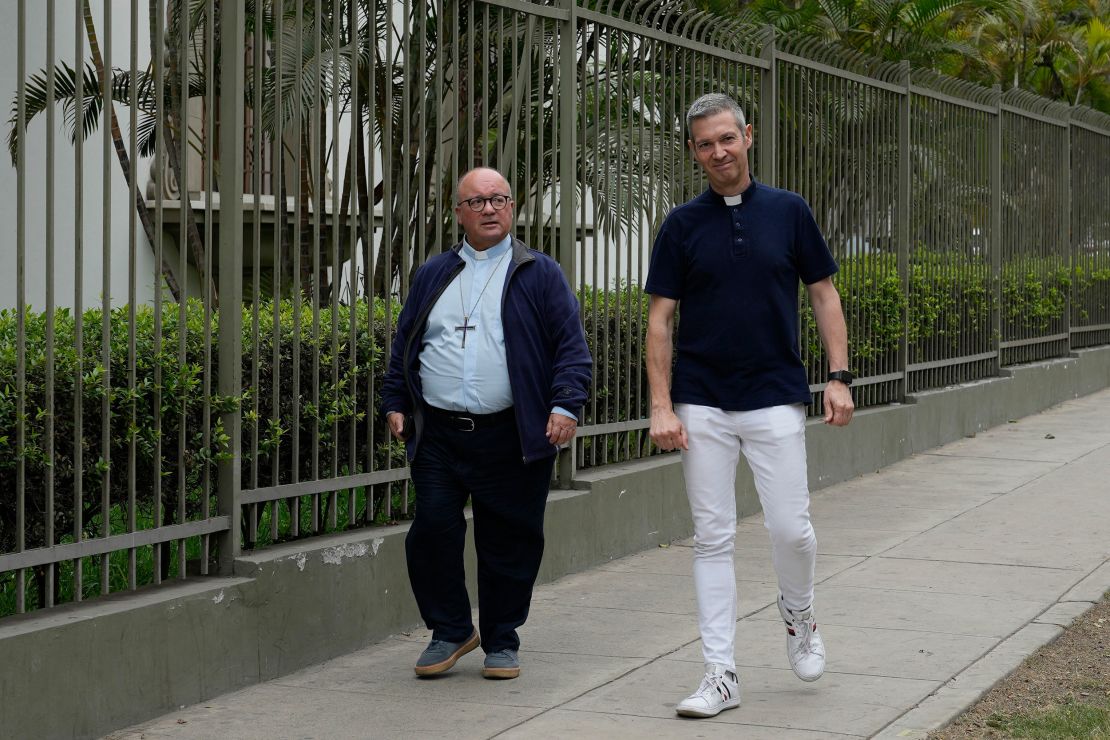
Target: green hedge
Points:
x,y
950,297
180,403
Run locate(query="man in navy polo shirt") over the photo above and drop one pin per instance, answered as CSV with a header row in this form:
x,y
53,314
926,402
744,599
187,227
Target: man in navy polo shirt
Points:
x,y
732,258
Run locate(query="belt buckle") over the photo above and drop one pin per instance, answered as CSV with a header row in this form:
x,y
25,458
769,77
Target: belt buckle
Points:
x,y
466,419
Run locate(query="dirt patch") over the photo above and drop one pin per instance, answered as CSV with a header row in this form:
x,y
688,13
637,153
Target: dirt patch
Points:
x,y
1072,671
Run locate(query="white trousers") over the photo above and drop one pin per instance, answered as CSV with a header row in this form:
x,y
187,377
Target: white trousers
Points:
x,y
773,442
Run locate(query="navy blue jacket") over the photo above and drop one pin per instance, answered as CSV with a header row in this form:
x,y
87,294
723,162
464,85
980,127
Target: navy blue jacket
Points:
x,y
548,361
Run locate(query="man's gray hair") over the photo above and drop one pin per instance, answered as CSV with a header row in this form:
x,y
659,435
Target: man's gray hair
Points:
x,y
710,105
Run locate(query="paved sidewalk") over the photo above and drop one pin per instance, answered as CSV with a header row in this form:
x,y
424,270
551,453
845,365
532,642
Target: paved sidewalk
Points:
x,y
936,577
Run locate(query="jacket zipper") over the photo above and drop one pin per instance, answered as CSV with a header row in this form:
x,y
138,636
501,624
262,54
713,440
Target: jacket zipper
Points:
x,y
419,323
513,267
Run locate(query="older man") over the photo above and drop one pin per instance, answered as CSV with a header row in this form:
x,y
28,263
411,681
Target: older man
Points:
x,y
488,375
732,258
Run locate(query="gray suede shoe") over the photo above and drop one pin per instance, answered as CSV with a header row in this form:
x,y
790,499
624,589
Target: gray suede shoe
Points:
x,y
440,655
501,664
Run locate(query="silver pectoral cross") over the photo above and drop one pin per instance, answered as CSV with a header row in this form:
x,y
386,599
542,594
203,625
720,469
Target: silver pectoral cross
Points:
x,y
466,326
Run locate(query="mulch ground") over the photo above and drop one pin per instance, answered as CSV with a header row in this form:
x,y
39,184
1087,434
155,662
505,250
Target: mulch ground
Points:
x,y
1075,669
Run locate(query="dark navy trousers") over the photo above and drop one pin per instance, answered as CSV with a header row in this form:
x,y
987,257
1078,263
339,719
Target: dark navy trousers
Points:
x,y
508,498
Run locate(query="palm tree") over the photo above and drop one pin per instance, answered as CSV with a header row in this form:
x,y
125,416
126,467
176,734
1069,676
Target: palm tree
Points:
x,y
1086,72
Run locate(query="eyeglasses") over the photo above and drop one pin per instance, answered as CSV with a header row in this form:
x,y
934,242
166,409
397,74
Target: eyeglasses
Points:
x,y
479,204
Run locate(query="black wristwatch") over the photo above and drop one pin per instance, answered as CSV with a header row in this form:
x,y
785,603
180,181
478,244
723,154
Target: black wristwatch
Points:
x,y
844,376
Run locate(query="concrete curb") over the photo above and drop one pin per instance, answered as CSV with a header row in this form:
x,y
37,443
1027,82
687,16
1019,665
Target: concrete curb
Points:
x,y
966,688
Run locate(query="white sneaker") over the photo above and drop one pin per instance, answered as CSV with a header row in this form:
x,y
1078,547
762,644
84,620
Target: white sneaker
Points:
x,y
719,690
804,646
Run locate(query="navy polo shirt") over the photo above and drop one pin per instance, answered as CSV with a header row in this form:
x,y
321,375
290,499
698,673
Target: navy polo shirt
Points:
x,y
735,272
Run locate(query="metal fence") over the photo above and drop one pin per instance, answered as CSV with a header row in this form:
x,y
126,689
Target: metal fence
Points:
x,y
303,156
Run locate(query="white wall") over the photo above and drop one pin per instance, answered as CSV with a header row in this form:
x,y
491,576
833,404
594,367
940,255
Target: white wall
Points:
x,y
121,209
65,189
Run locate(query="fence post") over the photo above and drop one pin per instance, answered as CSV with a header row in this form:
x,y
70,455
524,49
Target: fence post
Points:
x,y
230,339
568,238
994,136
1066,236
768,112
905,204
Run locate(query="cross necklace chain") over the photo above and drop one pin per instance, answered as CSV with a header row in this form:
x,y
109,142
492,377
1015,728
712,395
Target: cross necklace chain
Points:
x,y
466,325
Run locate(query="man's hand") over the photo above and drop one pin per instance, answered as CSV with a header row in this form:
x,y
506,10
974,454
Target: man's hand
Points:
x,y
838,404
396,424
560,429
667,431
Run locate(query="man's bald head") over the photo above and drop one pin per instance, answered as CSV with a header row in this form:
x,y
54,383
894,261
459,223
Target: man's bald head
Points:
x,y
481,174
488,189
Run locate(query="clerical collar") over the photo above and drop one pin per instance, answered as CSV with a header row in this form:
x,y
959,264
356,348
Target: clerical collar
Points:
x,y
492,253
733,200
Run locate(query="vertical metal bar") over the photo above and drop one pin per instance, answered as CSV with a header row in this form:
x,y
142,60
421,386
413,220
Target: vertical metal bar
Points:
x,y
258,43
297,245
280,202
106,299
371,297
78,302
21,304
506,152
420,132
388,208
596,82
1063,216
230,337
905,203
581,83
316,170
518,95
567,146
471,79
768,112
184,41
406,154
158,24
355,303
612,51
646,134
995,240
457,130
336,270
132,295
209,170
48,493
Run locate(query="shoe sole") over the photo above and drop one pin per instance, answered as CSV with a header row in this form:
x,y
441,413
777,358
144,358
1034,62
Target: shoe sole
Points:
x,y
500,673
449,662
809,679
703,713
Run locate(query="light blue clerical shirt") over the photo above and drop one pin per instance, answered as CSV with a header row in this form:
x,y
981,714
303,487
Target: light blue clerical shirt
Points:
x,y
463,365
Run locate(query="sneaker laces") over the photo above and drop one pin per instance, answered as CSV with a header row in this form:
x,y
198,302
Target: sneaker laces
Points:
x,y
714,683
804,646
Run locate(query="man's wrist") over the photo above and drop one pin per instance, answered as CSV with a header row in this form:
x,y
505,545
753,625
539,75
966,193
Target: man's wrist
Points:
x,y
840,376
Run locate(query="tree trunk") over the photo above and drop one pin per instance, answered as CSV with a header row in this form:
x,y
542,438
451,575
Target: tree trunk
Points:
x,y
121,150
170,147
365,214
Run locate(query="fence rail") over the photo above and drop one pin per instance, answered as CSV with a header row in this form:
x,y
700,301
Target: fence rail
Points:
x,y
222,392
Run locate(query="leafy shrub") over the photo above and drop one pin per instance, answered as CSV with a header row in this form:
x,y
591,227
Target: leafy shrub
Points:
x,y
179,457
301,434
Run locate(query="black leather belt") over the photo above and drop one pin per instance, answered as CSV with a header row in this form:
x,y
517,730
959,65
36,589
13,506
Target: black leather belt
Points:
x,y
464,421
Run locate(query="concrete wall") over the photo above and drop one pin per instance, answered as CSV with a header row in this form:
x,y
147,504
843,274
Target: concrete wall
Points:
x,y
82,670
